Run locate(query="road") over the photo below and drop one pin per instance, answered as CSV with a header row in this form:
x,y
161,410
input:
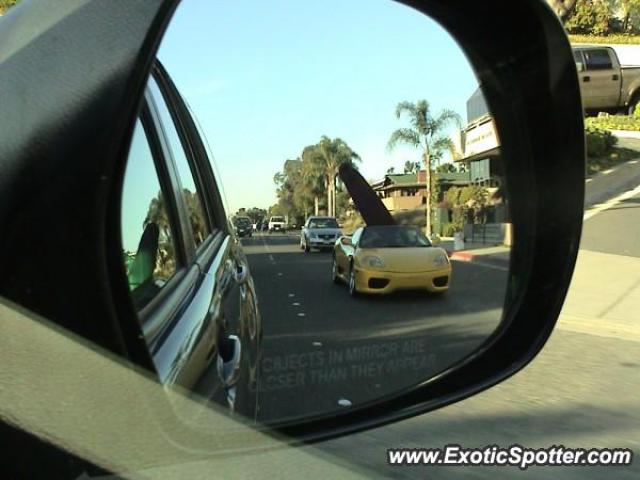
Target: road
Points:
x,y
324,348
581,391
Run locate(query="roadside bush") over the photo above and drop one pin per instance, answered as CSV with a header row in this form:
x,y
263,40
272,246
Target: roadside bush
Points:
x,y
448,229
590,17
615,122
621,39
599,141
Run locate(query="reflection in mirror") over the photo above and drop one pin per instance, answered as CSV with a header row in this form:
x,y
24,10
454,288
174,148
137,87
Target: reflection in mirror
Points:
x,y
332,313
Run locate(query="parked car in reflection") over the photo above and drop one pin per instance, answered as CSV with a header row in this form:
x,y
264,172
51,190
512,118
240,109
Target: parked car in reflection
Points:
x,y
383,259
191,287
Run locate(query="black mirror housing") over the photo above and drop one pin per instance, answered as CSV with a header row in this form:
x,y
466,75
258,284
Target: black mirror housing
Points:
x,y
100,61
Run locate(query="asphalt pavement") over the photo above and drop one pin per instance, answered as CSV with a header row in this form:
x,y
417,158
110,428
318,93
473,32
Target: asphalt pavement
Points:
x,y
580,391
328,350
615,231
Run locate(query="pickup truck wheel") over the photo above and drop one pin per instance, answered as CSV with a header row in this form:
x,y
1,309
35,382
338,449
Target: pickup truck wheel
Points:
x,y
633,104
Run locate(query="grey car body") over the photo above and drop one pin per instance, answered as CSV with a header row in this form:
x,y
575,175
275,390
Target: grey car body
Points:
x,y
605,84
319,232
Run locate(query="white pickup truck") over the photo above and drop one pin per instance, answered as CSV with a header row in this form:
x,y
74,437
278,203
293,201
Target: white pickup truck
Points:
x,y
605,85
277,224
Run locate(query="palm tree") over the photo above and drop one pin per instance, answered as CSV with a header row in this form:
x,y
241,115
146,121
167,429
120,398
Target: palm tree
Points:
x,y
426,133
313,175
411,167
331,153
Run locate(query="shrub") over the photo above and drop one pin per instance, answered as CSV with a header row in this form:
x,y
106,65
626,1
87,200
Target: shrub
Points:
x,y
590,17
622,39
598,142
615,122
448,230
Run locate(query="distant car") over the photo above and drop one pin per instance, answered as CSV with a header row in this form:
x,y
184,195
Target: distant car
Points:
x,y
383,259
276,224
243,226
320,233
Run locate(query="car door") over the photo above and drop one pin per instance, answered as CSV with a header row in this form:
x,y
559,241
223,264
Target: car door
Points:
x,y
586,92
600,81
344,263
195,333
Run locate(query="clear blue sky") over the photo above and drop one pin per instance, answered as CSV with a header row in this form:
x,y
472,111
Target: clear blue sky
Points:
x,y
267,78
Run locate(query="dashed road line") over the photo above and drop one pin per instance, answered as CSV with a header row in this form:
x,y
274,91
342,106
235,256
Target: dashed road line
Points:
x,y
601,207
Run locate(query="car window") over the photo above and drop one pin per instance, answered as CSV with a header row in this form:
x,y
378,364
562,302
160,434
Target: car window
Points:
x,y
323,223
598,59
149,251
356,236
399,236
577,57
190,192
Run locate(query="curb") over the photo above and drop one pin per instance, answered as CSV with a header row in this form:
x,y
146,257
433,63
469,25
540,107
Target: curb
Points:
x,y
482,260
462,256
626,133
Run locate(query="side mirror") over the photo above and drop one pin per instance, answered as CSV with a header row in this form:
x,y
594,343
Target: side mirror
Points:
x,y
97,94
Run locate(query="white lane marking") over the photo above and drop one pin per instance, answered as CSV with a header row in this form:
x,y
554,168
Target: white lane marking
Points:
x,y
268,250
343,402
601,207
292,295
301,314
279,274
296,304
317,344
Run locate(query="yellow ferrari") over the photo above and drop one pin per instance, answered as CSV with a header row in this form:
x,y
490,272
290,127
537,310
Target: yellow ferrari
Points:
x,y
383,259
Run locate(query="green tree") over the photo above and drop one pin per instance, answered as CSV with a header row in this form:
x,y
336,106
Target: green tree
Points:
x,y
287,182
630,10
157,214
313,183
591,17
446,168
411,167
428,134
256,214
331,154
563,8
391,170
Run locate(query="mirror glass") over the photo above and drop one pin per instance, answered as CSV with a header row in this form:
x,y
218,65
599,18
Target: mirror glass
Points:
x,y
295,306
